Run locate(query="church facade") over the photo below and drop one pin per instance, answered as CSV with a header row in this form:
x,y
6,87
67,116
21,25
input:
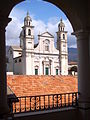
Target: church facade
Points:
x,y
41,58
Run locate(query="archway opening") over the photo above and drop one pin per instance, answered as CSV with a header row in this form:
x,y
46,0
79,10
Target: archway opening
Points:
x,y
50,22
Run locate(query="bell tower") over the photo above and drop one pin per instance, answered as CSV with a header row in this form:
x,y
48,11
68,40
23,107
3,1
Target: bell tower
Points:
x,y
27,34
62,47
27,44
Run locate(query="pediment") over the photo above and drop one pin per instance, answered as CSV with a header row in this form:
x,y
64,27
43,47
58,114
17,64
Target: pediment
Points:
x,y
47,34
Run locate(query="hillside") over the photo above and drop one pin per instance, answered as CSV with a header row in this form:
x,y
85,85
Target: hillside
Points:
x,y
73,55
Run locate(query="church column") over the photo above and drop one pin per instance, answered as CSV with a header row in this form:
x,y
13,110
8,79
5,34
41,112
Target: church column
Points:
x,y
3,82
50,64
83,69
52,68
43,66
40,67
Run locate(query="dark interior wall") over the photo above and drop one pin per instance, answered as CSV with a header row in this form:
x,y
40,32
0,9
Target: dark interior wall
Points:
x,y
59,115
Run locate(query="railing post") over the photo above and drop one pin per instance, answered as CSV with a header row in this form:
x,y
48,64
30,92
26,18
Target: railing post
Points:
x,y
25,104
72,99
68,99
48,102
53,101
57,101
61,100
15,107
76,99
39,103
20,104
44,102
35,103
64,99
30,103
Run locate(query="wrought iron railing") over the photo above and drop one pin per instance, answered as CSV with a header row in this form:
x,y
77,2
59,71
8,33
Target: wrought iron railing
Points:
x,y
44,102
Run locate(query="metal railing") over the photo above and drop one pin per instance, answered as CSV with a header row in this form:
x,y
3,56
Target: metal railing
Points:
x,y
44,102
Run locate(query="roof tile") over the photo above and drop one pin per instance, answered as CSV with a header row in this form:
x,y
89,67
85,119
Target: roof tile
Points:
x,y
24,85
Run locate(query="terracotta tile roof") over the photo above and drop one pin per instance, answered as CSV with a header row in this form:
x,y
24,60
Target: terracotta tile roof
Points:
x,y
24,85
72,63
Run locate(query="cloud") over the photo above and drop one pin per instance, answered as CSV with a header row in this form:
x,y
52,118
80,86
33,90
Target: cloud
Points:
x,y
71,38
39,27
14,28
13,31
39,0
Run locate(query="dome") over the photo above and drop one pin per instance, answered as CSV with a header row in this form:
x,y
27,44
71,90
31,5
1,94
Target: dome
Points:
x,y
27,18
61,24
21,33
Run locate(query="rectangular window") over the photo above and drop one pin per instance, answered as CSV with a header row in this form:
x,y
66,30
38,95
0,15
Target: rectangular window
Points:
x,y
56,71
24,33
19,53
19,60
46,48
29,32
15,61
36,71
46,71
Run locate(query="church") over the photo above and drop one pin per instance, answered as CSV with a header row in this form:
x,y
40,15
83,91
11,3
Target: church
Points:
x,y
42,58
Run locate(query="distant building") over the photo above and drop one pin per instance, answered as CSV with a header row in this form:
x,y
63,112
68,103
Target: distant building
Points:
x,y
42,58
72,68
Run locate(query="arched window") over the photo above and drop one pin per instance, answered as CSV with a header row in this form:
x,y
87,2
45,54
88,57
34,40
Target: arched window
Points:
x,y
63,29
64,36
24,32
36,70
29,23
15,61
47,45
56,71
46,71
29,32
19,60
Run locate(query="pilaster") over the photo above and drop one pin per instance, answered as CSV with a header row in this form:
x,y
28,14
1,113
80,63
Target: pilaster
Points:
x,y
83,68
3,80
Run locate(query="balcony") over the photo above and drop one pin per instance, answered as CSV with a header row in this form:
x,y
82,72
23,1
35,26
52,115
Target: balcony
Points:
x,y
43,103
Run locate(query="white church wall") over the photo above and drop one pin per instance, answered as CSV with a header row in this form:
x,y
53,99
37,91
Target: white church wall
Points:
x,y
64,66
29,44
41,45
18,66
10,60
65,34
9,73
39,59
56,66
16,53
45,57
27,64
37,64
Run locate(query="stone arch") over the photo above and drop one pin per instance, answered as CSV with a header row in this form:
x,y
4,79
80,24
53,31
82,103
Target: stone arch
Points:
x,y
78,13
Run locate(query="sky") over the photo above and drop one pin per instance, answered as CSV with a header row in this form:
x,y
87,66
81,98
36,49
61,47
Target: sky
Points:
x,y
44,16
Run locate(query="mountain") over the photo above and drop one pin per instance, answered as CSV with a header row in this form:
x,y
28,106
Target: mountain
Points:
x,y
72,53
7,48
